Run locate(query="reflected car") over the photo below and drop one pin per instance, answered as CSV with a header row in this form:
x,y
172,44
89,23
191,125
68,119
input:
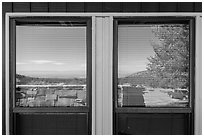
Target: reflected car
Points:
x,y
181,94
150,89
78,100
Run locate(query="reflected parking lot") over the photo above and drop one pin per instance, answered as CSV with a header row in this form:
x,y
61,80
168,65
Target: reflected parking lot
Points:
x,y
149,97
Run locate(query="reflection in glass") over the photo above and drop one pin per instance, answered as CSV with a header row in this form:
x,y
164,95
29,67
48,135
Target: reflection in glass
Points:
x,y
153,65
50,66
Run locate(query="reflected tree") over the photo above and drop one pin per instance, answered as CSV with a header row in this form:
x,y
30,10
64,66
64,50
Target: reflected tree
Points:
x,y
170,64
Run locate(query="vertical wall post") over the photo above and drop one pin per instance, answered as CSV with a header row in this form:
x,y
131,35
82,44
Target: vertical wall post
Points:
x,y
107,75
99,76
93,76
198,78
7,73
104,75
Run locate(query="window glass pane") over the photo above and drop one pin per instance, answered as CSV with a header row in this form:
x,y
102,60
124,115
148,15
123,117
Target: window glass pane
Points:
x,y
50,66
153,65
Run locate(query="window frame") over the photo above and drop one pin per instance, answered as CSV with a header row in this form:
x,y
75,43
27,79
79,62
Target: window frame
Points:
x,y
154,20
13,109
35,20
158,110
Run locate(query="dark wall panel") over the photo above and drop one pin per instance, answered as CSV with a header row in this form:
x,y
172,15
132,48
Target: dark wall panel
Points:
x,y
39,7
152,124
57,7
21,6
185,7
94,7
150,7
168,6
6,7
107,7
112,7
51,124
75,7
131,7
198,6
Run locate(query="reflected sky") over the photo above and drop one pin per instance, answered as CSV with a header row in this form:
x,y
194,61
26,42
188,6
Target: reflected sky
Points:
x,y
43,51
134,47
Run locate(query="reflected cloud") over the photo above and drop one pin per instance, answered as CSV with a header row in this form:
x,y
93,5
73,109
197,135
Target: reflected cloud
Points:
x,y
47,62
41,61
58,63
83,65
21,63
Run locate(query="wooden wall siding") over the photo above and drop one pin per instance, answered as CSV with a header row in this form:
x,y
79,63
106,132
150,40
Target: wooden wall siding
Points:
x,y
39,7
168,7
107,7
112,7
21,7
198,7
94,7
131,7
57,7
75,7
150,7
186,7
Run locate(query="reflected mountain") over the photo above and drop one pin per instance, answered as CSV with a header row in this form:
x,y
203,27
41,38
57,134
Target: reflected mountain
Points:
x,y
28,80
138,78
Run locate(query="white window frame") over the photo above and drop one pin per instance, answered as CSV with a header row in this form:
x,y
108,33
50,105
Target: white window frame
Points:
x,y
102,54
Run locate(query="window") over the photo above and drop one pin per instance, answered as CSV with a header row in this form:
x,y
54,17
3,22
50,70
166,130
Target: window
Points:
x,y
153,75
154,66
51,65
50,73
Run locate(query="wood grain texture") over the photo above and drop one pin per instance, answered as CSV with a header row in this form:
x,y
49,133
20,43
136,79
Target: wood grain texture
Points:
x,y
6,7
198,6
93,7
185,7
21,6
131,7
168,6
107,7
57,7
39,7
75,7
112,7
150,7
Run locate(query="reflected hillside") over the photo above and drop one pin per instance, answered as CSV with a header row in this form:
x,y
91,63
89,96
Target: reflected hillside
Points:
x,y
138,78
27,80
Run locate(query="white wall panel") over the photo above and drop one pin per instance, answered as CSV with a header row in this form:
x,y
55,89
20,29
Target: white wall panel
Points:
x,y
198,77
103,76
